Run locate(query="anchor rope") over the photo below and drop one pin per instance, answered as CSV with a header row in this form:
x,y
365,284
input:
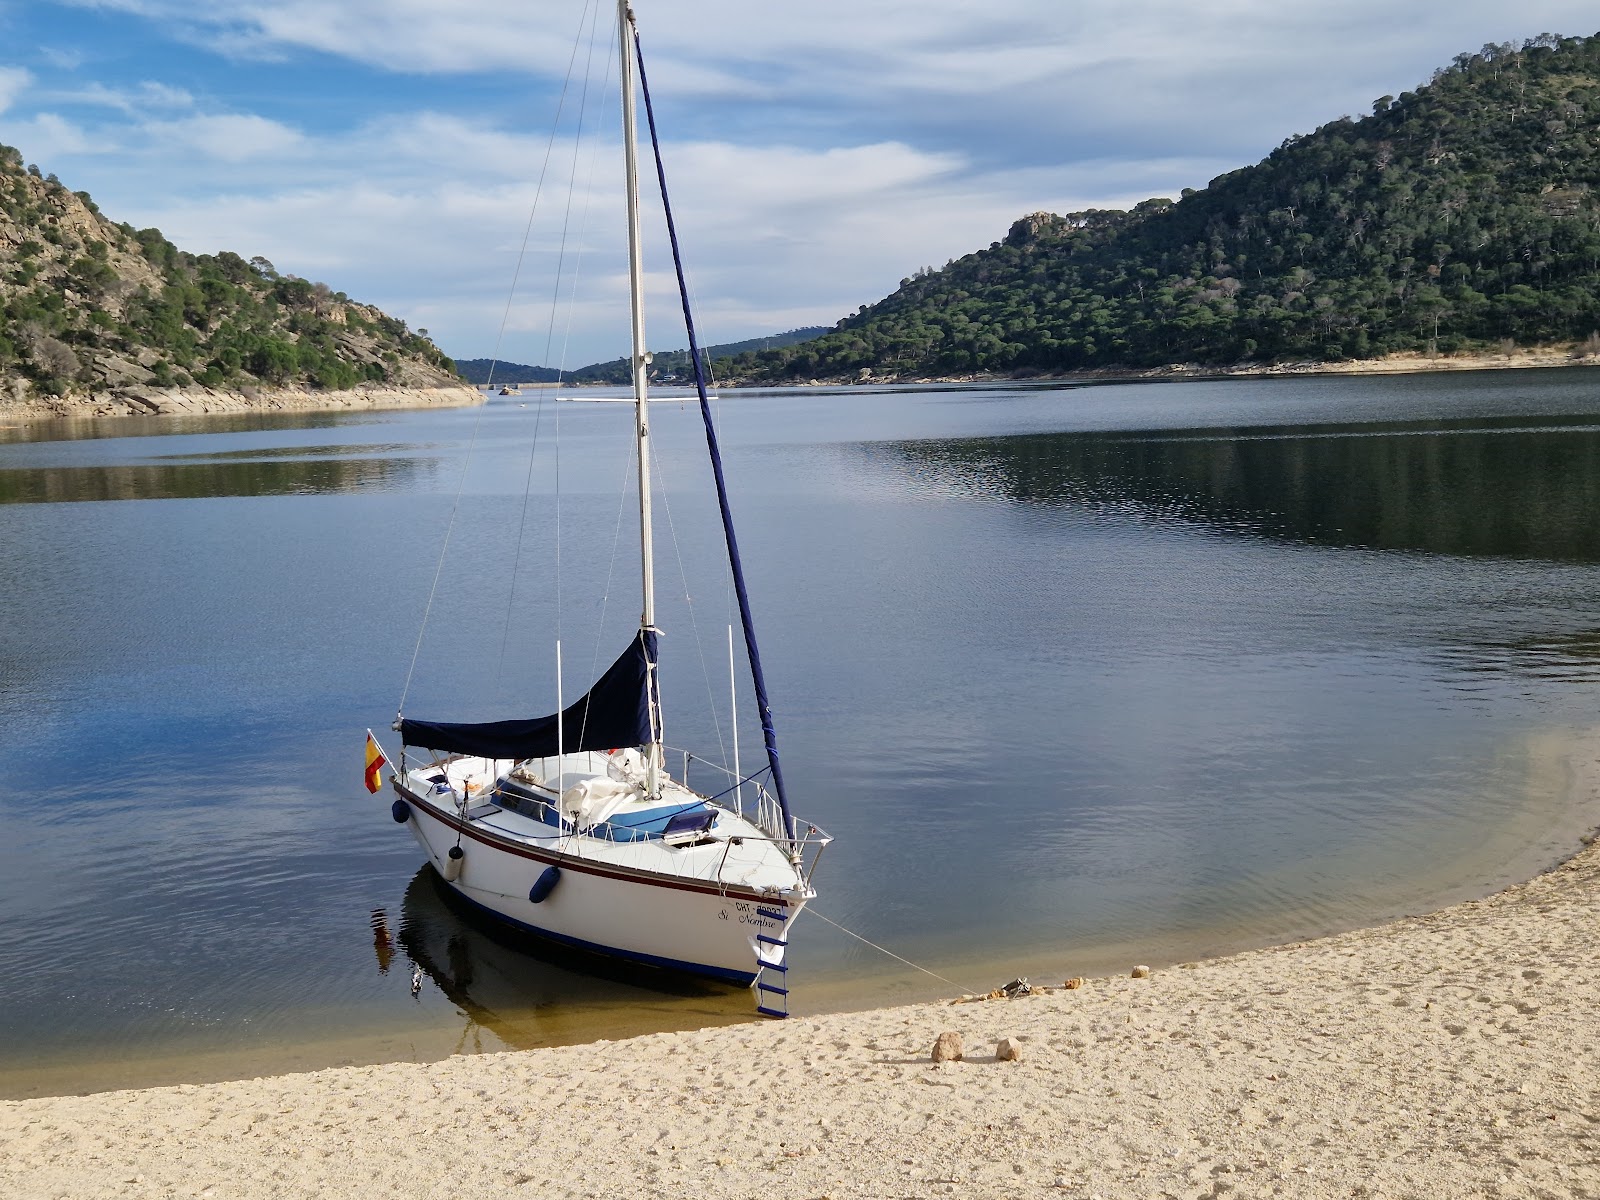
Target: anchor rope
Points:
x,y
883,949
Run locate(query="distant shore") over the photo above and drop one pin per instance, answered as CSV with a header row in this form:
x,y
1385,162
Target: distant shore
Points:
x,y
195,401
1393,364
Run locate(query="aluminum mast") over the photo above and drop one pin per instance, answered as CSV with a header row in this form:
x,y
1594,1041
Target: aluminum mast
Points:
x,y
640,362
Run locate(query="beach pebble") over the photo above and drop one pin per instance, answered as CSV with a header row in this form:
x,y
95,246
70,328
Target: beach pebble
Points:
x,y
1009,1050
1141,972
947,1048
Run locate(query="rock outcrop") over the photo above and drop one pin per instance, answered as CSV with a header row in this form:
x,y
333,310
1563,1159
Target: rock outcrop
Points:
x,y
96,315
136,399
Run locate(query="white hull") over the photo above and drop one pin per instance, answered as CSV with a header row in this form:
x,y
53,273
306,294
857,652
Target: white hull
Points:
x,y
702,909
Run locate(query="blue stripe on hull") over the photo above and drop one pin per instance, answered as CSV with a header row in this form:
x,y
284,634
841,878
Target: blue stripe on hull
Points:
x,y
725,974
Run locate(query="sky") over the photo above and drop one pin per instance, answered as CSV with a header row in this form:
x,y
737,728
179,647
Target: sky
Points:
x,y
449,163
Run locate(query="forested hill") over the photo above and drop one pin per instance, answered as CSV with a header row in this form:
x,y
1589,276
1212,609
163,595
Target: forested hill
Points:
x,y
491,370
1465,214
673,366
667,366
89,306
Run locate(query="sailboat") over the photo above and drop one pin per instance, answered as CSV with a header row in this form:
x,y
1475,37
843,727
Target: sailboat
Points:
x,y
569,826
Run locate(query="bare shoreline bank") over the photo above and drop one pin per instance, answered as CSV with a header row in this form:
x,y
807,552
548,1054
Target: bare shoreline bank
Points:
x,y
194,401
1394,364
160,402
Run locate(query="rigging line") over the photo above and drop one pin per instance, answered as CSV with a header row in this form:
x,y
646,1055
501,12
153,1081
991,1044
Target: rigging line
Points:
x,y
555,302
769,734
566,337
688,600
477,424
438,570
967,990
588,202
527,230
715,405
611,573
566,229
737,784
566,340
516,558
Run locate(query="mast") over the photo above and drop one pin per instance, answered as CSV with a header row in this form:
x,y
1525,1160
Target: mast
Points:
x,y
757,677
640,363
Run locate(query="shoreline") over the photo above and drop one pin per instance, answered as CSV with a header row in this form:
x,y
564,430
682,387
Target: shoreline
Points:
x,y
1445,1054
198,401
833,993
1393,364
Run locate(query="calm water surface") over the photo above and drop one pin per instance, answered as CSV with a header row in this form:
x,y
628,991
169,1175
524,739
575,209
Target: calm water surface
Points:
x,y
1076,677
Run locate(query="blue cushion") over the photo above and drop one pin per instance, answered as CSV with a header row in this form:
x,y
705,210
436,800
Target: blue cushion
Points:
x,y
652,823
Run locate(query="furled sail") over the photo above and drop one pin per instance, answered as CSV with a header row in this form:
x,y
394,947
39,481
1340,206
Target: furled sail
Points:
x,y
763,709
614,712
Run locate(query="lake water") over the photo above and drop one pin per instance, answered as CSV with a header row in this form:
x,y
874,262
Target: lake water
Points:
x,y
1077,677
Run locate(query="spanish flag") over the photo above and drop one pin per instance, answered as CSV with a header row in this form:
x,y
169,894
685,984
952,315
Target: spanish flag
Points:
x,y
375,763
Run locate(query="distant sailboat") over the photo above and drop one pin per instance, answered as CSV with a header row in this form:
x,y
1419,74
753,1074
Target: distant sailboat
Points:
x,y
569,825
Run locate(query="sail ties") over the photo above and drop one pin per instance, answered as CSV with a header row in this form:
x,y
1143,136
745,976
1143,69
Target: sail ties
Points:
x,y
758,679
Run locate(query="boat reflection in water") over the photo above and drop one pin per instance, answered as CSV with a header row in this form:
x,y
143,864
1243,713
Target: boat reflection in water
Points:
x,y
521,992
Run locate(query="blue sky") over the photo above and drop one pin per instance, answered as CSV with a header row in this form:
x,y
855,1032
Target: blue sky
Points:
x,y
819,152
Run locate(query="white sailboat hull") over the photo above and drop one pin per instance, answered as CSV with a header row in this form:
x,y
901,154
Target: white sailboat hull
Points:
x,y
718,911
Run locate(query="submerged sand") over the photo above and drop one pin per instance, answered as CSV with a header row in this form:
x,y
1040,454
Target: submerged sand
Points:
x,y
1450,1055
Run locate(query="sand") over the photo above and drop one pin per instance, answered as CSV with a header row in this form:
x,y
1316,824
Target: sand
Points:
x,y
1450,1055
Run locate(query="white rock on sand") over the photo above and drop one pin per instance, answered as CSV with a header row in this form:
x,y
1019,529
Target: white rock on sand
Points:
x,y
1445,1056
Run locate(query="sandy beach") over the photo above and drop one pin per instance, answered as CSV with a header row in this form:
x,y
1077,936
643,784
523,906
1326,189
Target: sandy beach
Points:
x,y
1448,1055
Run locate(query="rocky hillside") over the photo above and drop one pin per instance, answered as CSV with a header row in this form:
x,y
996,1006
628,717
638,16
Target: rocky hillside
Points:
x,y
1459,217
93,310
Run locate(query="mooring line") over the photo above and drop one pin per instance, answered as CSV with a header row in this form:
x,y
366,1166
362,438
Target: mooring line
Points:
x,y
971,991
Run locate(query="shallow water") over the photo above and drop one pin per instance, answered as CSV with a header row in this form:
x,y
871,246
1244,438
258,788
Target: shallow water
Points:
x,y
1074,675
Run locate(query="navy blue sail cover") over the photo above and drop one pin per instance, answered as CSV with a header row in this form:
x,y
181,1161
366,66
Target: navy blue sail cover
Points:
x,y
615,712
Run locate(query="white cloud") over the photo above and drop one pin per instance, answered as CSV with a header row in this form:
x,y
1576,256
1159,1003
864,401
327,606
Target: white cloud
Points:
x,y
774,238
13,82
51,138
229,138
951,42
62,58
818,152
147,97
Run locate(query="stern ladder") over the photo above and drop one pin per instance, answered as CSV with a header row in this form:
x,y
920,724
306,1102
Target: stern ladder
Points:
x,y
772,997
